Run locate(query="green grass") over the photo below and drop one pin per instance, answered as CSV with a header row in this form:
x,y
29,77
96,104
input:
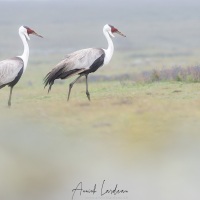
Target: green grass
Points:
x,y
127,130
121,112
125,110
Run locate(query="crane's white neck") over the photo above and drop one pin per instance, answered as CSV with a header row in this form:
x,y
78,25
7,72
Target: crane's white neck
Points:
x,y
25,54
109,51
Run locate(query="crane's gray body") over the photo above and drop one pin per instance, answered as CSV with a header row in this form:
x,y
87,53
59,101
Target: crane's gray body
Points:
x,y
11,71
84,61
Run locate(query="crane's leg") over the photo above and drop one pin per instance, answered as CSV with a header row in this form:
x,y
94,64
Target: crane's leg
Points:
x,y
87,92
71,85
10,96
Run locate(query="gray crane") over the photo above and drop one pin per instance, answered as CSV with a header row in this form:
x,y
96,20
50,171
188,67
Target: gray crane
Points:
x,y
12,69
83,62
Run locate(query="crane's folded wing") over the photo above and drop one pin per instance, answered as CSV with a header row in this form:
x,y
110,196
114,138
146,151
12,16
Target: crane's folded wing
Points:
x,y
75,63
9,70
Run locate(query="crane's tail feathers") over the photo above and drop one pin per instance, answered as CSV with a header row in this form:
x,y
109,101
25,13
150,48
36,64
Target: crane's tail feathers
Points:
x,y
59,74
1,86
49,80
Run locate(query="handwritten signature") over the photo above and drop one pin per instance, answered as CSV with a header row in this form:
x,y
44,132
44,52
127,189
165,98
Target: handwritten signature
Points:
x,y
93,191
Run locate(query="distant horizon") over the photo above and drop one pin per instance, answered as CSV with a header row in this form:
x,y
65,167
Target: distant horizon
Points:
x,y
68,25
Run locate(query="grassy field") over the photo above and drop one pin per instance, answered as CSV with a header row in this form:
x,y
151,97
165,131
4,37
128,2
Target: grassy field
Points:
x,y
142,131
139,111
134,134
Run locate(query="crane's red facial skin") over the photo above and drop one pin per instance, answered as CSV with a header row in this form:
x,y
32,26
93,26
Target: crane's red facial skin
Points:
x,y
114,30
30,31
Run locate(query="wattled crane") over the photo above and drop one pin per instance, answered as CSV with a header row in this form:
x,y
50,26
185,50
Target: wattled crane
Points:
x,y
83,62
12,69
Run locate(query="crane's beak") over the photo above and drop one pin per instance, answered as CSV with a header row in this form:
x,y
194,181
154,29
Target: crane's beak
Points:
x,y
120,33
34,33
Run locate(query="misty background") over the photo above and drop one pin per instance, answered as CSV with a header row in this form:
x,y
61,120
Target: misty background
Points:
x,y
43,156
158,33
71,25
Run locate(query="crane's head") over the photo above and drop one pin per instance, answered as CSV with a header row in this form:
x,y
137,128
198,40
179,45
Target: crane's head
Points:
x,y
111,29
25,30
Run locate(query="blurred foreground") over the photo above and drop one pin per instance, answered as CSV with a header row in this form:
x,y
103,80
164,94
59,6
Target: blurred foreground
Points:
x,y
145,138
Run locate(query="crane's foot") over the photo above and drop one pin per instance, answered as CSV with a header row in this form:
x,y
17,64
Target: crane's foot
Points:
x,y
70,87
88,95
9,104
68,98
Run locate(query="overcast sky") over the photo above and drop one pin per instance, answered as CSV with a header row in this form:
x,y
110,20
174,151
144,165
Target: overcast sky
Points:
x,y
124,1
147,23
189,3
